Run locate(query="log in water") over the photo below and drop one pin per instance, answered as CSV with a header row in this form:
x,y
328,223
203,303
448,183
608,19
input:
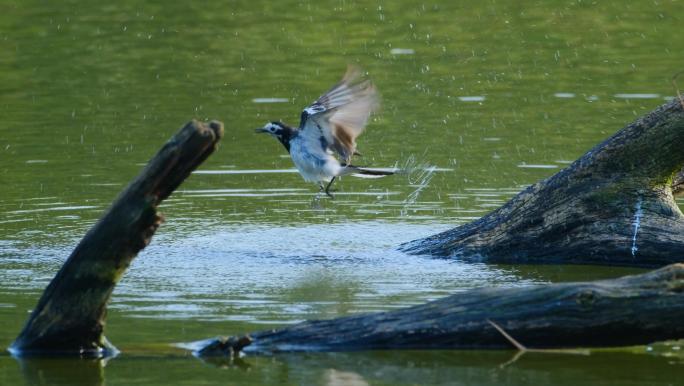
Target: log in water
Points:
x,y
630,310
70,315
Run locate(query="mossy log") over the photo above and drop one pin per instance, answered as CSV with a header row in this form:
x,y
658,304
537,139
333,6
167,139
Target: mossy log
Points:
x,y
626,311
70,315
612,206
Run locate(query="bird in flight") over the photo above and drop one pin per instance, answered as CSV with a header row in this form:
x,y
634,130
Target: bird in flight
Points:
x,y
325,141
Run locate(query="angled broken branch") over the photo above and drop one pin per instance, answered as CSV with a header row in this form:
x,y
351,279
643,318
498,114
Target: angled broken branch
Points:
x,y
70,315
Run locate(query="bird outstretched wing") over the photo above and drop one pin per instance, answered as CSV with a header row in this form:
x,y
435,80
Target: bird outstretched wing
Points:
x,y
340,115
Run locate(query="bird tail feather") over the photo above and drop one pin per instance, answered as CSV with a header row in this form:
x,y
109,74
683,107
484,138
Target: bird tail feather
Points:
x,y
356,171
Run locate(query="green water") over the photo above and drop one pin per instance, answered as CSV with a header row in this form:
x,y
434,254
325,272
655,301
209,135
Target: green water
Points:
x,y
494,94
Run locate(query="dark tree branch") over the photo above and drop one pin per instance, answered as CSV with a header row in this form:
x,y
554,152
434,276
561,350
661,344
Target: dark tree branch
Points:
x,y
70,315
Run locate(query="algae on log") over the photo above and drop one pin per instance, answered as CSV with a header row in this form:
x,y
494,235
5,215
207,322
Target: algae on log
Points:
x,y
612,206
70,315
626,311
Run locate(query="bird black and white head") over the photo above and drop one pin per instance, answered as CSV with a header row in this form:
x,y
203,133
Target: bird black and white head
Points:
x,y
278,130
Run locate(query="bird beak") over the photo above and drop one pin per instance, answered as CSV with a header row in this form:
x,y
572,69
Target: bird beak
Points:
x,y
260,130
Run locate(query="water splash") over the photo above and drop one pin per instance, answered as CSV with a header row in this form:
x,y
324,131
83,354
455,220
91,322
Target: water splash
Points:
x,y
419,175
637,222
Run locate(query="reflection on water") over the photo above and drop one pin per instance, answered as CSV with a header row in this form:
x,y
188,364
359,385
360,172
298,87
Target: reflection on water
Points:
x,y
361,368
61,371
334,377
89,92
270,100
637,96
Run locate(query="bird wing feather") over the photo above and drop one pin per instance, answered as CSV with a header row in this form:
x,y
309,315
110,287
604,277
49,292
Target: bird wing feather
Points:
x,y
340,115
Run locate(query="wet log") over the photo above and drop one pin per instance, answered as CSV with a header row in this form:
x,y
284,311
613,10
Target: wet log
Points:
x,y
70,315
631,310
612,206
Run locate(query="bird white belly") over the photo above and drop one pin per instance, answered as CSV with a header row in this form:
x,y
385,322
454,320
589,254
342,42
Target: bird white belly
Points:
x,y
314,166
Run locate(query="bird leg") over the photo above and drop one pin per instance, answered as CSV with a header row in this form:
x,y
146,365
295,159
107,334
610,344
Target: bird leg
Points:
x,y
327,188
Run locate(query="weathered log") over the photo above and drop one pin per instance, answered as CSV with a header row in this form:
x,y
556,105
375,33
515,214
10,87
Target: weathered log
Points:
x,y
613,206
631,310
70,315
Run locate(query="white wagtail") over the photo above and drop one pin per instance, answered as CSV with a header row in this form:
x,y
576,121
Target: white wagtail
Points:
x,y
330,125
